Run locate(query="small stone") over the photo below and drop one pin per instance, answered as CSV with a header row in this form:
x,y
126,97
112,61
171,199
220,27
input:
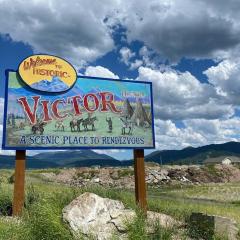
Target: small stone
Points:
x,y
96,180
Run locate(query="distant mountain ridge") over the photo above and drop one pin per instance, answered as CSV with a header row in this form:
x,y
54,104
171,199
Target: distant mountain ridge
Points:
x,y
191,155
76,158
86,158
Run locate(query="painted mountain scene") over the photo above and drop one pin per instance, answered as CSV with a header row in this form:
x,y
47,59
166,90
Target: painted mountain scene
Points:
x,y
93,113
56,85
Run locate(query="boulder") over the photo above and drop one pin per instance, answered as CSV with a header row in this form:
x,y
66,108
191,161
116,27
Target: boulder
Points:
x,y
206,226
101,218
89,214
163,219
120,218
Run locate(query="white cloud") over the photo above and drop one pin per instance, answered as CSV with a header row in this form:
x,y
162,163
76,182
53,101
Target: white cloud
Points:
x,y
126,55
197,132
73,29
168,136
136,64
176,29
109,151
100,71
181,96
226,77
82,30
146,54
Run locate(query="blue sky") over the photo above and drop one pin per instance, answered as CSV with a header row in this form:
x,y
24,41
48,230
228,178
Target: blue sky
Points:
x,y
188,49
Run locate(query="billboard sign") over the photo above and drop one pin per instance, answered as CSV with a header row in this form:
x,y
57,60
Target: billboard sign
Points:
x,y
47,106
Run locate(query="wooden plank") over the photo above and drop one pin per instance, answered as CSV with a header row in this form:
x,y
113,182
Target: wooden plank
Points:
x,y
19,182
140,184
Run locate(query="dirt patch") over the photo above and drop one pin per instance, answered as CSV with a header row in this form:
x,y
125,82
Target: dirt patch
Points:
x,y
155,175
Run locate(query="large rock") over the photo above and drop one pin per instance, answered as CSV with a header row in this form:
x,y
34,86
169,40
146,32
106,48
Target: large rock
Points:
x,y
206,226
91,215
102,218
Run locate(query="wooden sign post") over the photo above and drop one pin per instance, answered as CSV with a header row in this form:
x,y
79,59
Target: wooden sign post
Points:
x,y
19,182
140,184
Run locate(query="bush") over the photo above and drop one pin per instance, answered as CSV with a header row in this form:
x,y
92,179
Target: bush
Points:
x,y
160,233
136,229
11,179
43,217
125,172
43,221
5,204
32,196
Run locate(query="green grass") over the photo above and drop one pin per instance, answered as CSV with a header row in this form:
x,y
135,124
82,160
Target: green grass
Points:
x,y
124,172
44,203
222,192
212,170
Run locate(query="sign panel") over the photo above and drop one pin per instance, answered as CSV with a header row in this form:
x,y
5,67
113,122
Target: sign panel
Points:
x,y
47,73
92,113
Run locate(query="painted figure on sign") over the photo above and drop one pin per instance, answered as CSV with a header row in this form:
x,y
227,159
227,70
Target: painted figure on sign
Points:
x,y
110,125
21,126
59,126
126,124
73,124
13,121
89,121
38,127
76,123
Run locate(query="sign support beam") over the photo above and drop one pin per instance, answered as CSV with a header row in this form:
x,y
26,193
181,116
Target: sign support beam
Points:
x,y
140,184
19,182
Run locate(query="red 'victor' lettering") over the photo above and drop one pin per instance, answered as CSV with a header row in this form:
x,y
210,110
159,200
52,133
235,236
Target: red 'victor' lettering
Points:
x,y
86,102
108,103
75,100
55,108
30,114
45,111
91,102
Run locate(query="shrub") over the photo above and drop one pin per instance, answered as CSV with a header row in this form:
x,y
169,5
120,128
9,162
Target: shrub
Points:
x,y
5,204
11,179
136,229
32,196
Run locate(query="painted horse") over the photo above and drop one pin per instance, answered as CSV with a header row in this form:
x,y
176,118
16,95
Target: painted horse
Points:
x,y
89,121
76,123
38,127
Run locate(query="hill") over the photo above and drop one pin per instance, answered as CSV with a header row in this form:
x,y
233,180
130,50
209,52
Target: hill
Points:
x,y
87,158
191,155
79,158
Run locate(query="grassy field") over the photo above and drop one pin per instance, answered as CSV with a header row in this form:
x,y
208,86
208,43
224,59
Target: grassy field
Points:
x,y
218,192
45,201
216,199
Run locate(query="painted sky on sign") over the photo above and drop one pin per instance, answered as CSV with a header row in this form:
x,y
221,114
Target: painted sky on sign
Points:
x,y
188,49
114,86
